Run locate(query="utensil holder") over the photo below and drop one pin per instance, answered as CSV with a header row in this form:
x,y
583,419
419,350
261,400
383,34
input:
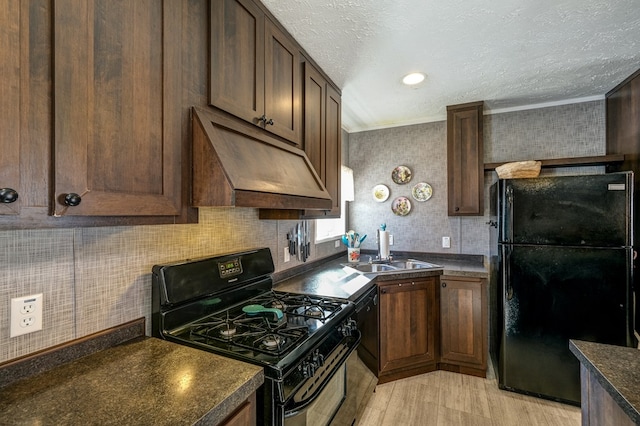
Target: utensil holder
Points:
x,y
353,254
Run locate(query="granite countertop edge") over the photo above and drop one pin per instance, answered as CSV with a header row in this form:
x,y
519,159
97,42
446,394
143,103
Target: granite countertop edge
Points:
x,y
617,369
232,402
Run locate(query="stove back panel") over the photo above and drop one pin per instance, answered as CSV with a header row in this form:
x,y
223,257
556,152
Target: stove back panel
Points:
x,y
181,282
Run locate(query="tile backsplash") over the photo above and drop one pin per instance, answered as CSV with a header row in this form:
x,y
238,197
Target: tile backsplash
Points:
x,y
96,278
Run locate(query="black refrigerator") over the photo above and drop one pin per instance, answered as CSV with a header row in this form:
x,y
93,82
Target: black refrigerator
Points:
x,y
564,271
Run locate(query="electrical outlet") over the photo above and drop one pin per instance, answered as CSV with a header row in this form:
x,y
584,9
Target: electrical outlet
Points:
x,y
390,239
446,242
336,243
287,255
27,321
26,314
27,308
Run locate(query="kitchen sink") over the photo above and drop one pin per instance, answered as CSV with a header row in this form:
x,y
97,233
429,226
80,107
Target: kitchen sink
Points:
x,y
414,264
372,267
391,267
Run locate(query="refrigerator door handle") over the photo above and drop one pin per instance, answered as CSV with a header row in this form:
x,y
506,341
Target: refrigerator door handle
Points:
x,y
509,213
506,278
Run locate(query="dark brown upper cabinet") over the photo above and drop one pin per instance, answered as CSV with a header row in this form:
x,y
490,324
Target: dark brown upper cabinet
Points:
x,y
323,136
10,124
117,126
465,165
255,69
623,124
623,117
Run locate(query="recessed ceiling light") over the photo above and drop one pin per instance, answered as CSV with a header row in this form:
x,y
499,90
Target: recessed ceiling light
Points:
x,y
413,78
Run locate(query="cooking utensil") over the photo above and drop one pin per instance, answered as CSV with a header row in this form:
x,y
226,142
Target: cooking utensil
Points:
x,y
299,241
304,241
259,309
308,251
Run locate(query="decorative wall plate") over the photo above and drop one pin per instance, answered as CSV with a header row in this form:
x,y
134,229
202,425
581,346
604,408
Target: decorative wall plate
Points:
x,y
401,206
401,175
380,193
421,191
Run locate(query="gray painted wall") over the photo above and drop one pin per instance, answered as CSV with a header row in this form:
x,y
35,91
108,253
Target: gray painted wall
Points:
x,y
573,130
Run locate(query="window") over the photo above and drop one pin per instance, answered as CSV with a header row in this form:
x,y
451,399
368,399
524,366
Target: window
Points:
x,y
331,229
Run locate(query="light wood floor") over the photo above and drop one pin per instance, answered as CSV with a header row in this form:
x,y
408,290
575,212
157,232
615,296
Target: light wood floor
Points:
x,y
442,398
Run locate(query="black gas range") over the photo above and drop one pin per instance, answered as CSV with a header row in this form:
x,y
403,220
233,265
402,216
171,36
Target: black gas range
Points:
x,y
226,304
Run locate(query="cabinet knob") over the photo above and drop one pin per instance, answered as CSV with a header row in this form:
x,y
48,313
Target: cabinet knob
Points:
x,y
383,291
8,195
72,199
444,285
457,209
264,120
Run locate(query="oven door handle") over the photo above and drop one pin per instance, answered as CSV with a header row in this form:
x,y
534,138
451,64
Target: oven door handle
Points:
x,y
353,342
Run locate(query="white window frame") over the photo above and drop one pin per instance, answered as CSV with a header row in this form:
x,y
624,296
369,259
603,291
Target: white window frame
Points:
x,y
331,229
334,229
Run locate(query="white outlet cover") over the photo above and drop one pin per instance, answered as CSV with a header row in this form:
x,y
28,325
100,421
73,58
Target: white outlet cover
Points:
x,y
26,314
446,242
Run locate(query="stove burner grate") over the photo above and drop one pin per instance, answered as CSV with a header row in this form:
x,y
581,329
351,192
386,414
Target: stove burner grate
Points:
x,y
237,331
253,333
313,307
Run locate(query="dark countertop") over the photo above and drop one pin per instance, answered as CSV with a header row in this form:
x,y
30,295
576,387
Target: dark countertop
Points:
x,y
145,381
331,278
617,369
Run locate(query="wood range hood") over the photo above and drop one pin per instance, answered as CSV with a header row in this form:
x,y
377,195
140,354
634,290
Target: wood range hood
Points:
x,y
237,164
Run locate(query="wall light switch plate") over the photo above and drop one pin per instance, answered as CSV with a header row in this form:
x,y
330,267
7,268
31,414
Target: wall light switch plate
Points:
x,y
390,239
287,255
26,314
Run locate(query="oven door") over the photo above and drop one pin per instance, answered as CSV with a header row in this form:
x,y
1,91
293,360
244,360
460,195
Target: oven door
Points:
x,y
321,396
321,410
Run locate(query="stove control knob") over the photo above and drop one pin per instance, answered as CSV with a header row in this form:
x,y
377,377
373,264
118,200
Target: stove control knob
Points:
x,y
318,358
313,367
304,369
308,369
347,327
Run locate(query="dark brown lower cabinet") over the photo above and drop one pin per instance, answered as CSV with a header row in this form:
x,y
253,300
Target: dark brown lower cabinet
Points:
x,y
245,415
408,327
463,325
598,406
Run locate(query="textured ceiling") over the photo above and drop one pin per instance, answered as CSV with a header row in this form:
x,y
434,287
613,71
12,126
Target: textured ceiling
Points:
x,y
511,54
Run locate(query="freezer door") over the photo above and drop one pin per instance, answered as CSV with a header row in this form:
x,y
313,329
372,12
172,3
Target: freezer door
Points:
x,y
553,294
593,210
